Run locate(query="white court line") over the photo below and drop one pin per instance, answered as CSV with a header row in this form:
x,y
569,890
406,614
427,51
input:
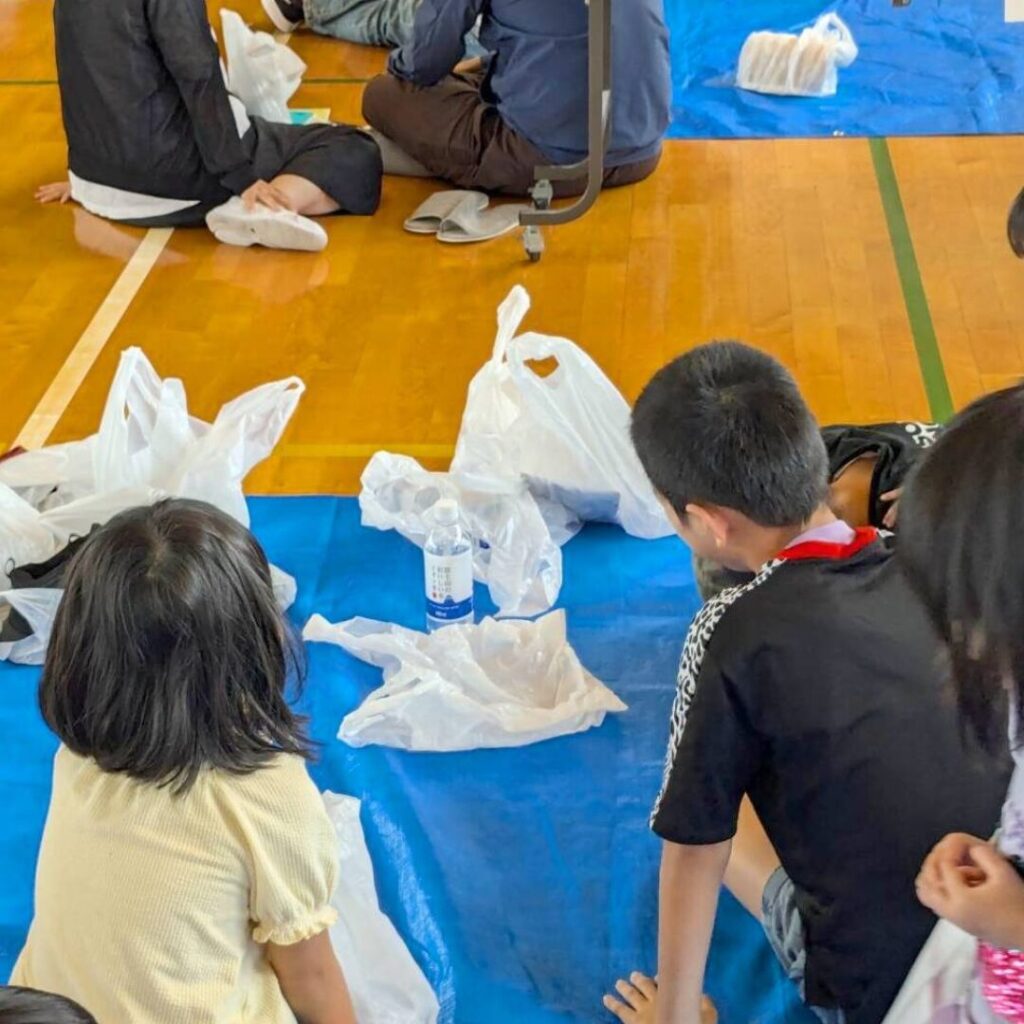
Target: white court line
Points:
x,y
52,405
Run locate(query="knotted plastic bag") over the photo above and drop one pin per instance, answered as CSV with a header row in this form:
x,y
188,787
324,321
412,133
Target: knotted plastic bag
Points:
x,y
784,64
496,684
385,982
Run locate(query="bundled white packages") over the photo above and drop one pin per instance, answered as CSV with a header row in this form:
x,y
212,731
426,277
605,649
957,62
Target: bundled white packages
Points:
x,y
496,684
385,982
784,64
263,73
566,434
514,553
148,447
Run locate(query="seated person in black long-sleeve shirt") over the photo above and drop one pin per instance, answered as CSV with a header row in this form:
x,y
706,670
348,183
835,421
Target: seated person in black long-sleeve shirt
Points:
x,y
153,139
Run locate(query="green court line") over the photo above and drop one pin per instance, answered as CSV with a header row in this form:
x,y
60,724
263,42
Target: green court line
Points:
x,y
922,328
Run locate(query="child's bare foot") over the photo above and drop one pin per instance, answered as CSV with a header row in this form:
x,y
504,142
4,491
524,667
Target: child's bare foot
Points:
x,y
641,1002
58,192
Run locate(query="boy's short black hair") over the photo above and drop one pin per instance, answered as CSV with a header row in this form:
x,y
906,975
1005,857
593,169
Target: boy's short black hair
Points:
x,y
27,1006
962,550
726,425
168,654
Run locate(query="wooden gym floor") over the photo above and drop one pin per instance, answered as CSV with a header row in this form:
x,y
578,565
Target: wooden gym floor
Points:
x,y
878,271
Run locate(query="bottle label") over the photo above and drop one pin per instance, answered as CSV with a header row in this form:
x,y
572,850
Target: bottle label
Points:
x,y
449,584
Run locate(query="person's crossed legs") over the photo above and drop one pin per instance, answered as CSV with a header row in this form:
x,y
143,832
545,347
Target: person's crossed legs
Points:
x,y
455,134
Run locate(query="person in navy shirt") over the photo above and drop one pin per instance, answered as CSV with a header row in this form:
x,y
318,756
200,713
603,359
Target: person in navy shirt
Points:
x,y
486,123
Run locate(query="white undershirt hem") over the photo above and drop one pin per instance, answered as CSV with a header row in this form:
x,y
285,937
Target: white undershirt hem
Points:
x,y
119,204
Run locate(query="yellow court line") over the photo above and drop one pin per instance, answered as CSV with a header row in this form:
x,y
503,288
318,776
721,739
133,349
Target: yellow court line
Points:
x,y
54,403
365,451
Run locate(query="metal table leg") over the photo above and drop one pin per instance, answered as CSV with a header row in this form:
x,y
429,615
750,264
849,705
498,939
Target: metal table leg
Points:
x,y
599,97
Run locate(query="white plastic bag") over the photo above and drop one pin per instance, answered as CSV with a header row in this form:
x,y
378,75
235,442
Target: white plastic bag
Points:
x,y
385,982
23,537
514,554
263,73
496,684
148,447
784,64
38,607
147,436
148,439
938,988
28,536
566,434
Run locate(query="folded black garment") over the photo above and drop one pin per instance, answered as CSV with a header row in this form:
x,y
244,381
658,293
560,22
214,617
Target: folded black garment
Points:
x,y
895,446
48,575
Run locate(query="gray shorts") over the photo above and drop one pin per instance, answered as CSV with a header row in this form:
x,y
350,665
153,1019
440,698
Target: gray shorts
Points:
x,y
785,930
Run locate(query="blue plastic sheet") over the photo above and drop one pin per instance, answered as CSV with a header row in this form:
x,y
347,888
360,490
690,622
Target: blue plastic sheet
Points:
x,y
932,67
524,881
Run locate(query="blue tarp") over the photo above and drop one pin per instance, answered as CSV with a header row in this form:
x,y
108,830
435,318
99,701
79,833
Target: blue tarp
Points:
x,y
932,67
524,881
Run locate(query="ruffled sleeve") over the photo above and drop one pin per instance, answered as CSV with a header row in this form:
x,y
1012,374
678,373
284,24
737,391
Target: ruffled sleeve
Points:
x,y
293,854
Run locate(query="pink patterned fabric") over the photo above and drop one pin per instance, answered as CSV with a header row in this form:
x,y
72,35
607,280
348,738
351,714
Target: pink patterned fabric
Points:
x,y
1002,976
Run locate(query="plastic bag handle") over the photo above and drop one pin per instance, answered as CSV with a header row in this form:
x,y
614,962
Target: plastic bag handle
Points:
x,y
135,394
511,314
528,348
832,28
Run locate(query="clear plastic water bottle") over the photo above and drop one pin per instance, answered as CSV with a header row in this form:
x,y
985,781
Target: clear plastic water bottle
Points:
x,y
448,564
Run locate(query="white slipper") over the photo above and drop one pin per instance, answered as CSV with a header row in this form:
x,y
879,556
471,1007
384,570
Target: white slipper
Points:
x,y
468,224
435,212
233,224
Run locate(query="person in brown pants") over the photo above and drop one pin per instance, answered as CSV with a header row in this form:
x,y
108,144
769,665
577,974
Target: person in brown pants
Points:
x,y
487,123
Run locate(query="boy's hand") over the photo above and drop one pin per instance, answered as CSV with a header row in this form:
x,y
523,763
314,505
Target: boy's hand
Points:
x,y
984,897
58,192
641,1002
893,515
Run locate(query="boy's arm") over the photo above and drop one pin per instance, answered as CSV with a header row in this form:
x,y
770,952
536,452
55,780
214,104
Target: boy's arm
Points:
x,y
691,878
312,982
181,31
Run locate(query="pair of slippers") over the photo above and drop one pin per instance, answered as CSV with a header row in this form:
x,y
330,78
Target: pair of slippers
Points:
x,y
459,217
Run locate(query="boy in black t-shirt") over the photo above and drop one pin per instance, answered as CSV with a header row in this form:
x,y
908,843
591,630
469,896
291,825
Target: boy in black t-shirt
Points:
x,y
815,758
